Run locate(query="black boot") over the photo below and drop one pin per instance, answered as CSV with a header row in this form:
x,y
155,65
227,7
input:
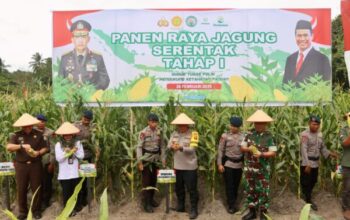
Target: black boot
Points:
x,y
180,206
193,213
313,206
231,209
251,214
147,206
154,204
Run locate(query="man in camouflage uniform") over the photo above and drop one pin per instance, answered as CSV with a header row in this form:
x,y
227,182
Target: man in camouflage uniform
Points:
x,y
91,153
48,161
82,65
149,152
312,145
230,161
259,148
345,163
183,142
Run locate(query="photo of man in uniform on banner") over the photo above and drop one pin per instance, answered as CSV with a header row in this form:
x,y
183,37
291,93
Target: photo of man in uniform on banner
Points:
x,y
82,65
307,61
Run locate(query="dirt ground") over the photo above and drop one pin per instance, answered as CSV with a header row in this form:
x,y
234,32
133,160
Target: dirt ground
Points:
x,y
283,207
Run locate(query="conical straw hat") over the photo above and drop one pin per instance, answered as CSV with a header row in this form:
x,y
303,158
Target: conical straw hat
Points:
x,y
67,128
259,116
182,119
26,120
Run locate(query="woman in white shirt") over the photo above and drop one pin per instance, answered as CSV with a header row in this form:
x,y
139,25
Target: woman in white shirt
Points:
x,y
68,151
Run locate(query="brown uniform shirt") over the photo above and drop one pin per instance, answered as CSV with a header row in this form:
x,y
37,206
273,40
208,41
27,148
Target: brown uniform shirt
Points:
x,y
151,141
36,141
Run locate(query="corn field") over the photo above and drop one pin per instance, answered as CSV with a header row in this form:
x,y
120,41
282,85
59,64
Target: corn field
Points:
x,y
117,130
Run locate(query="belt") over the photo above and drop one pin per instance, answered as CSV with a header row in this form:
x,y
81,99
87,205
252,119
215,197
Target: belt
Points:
x,y
235,160
27,162
151,152
314,158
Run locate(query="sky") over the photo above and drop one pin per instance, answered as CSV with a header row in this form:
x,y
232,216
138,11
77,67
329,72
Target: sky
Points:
x,y
26,26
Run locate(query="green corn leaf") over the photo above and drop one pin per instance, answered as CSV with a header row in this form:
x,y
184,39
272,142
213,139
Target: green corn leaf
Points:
x,y
9,214
71,202
104,206
304,214
30,214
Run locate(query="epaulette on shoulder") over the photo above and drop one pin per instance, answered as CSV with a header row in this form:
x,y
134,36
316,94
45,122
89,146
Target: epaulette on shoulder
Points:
x,y
67,53
95,53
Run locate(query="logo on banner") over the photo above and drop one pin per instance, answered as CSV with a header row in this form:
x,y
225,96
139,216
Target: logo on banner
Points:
x,y
205,21
176,21
163,23
191,21
220,21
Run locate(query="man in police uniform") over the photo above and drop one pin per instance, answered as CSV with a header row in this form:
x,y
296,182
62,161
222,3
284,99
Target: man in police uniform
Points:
x,y
312,146
259,148
345,164
149,151
82,65
230,161
91,153
183,142
48,161
29,146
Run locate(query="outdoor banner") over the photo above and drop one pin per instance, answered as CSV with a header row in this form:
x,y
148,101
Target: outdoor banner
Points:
x,y
345,14
228,56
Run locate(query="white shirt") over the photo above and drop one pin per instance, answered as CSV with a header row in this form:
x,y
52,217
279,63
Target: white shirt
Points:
x,y
305,53
68,171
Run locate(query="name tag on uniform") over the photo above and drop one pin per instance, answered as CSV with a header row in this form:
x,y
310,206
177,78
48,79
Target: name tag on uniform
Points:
x,y
87,170
91,67
7,169
166,176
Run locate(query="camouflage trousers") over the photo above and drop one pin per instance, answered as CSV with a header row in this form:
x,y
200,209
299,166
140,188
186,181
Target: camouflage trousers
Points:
x,y
257,189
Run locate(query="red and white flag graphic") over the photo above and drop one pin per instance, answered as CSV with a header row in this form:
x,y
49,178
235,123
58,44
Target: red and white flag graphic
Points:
x,y
345,14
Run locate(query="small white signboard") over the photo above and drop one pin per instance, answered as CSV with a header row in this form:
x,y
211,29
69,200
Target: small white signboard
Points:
x,y
166,176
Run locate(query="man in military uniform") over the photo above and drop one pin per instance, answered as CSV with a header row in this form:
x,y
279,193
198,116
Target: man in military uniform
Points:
x,y
29,146
230,161
312,145
48,161
345,163
183,142
149,152
82,65
259,148
91,153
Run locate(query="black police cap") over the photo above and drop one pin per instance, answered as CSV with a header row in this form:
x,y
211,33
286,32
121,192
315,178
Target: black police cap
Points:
x,y
236,121
41,117
152,117
315,118
80,25
88,114
303,24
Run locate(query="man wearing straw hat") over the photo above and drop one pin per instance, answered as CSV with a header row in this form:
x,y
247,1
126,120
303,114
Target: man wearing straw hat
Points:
x,y
29,146
312,146
68,152
230,161
149,152
259,148
183,142
345,164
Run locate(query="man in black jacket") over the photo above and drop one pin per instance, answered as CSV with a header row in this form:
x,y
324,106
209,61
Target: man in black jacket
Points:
x,y
306,61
